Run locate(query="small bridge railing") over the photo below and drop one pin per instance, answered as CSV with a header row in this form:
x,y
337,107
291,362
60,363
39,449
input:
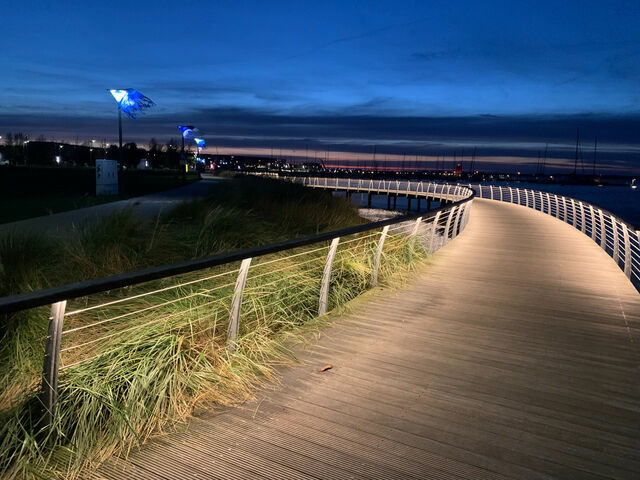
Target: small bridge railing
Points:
x,y
616,237
219,298
444,191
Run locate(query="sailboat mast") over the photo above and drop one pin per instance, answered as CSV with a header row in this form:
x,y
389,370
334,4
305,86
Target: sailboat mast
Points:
x,y
575,164
595,154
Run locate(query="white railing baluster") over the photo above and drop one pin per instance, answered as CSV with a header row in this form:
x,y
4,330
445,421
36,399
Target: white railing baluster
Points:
x,y
414,233
582,225
376,261
627,250
236,305
326,277
548,203
51,365
603,231
456,223
448,226
434,230
616,245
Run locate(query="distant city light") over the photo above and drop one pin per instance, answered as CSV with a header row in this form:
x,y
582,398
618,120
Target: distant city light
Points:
x,y
131,101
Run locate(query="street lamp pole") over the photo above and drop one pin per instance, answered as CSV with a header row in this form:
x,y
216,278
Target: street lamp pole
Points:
x,y
120,132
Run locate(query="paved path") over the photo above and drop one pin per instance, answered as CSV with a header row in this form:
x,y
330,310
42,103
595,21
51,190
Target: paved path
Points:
x,y
146,207
515,354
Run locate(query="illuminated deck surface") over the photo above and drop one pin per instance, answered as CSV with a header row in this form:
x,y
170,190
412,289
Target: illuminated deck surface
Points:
x,y
515,354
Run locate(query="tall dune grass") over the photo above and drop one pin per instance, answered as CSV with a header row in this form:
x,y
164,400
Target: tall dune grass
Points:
x,y
140,381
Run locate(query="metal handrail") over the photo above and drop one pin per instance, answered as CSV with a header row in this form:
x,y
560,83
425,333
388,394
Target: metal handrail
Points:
x,y
618,238
454,215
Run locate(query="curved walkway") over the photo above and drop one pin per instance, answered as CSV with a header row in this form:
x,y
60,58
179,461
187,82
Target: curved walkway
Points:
x,y
514,354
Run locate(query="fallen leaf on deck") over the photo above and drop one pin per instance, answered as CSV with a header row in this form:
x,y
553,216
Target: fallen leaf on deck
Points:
x,y
326,367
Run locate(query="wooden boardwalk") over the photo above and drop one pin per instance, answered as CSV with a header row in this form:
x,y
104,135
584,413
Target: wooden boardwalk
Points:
x,y
514,354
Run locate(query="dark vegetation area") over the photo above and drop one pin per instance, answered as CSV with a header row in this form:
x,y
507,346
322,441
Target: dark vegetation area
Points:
x,y
27,192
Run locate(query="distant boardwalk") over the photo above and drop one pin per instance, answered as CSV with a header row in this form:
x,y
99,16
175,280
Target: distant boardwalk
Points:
x,y
514,354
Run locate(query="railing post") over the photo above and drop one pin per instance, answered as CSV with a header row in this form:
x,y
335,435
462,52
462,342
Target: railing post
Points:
x,y
491,191
326,277
456,223
376,260
510,195
412,241
52,359
433,230
627,250
501,198
449,218
573,213
548,203
236,305
526,198
541,202
467,213
603,234
582,222
616,246
592,216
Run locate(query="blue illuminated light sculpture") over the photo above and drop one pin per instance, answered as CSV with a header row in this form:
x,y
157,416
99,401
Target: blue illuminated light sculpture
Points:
x,y
200,144
188,131
130,101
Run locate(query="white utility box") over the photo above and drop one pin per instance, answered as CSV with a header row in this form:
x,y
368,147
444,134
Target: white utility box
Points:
x,y
106,177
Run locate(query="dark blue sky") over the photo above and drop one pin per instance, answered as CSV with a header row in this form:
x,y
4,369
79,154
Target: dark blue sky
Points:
x,y
416,77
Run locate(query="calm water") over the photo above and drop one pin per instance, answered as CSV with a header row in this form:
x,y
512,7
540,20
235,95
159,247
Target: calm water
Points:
x,y
622,201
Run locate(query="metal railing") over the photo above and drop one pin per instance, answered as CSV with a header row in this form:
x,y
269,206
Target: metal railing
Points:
x,y
409,188
221,296
619,239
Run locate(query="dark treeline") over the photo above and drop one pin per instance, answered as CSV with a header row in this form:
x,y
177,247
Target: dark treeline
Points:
x,y
18,149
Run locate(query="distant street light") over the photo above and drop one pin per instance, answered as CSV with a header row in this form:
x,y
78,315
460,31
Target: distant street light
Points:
x,y
90,151
130,101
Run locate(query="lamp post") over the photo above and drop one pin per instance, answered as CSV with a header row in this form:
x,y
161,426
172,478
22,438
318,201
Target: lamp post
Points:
x,y
188,132
26,152
129,101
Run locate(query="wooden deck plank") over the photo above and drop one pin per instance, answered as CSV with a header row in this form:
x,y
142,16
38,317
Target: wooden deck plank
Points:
x,y
513,354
